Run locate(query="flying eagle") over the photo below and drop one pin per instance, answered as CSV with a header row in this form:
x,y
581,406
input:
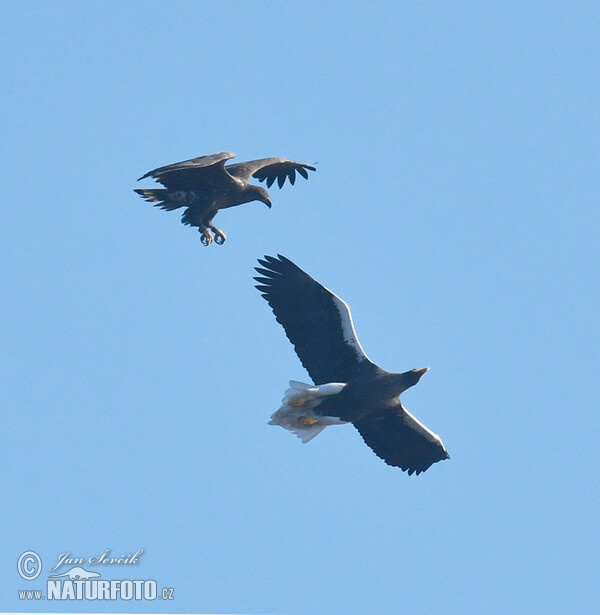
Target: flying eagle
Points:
x,y
204,185
348,386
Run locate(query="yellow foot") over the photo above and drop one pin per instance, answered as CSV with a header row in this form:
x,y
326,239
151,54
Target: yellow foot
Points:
x,y
296,403
219,236
206,238
307,420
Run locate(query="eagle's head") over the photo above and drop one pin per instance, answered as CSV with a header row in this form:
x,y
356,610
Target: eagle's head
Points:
x,y
260,194
414,375
398,383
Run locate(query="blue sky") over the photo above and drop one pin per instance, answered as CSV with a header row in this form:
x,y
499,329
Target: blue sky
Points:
x,y
455,208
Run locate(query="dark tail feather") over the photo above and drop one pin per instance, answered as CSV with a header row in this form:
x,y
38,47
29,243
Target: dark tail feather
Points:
x,y
160,196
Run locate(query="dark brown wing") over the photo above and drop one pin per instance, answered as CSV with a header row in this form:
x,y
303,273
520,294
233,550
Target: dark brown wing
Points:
x,y
398,438
198,173
317,322
269,170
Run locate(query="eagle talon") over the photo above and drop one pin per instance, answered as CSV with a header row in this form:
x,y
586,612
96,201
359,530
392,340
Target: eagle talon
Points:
x,y
219,236
307,420
206,238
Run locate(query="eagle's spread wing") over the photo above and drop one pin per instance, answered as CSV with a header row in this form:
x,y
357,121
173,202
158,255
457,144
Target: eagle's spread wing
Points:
x,y
195,173
270,169
398,438
317,322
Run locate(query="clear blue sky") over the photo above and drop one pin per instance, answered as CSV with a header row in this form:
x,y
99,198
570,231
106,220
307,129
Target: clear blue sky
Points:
x,y
455,208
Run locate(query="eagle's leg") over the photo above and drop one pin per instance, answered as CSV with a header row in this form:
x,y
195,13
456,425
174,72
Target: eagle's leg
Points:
x,y
206,238
219,235
307,421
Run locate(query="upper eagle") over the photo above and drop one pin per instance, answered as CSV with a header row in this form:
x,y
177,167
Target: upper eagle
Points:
x,y
349,386
205,184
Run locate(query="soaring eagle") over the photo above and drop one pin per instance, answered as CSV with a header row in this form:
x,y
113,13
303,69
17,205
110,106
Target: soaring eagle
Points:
x,y
204,185
348,386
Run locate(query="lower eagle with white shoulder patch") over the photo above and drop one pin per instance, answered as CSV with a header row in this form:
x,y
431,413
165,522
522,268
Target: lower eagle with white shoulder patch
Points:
x,y
348,384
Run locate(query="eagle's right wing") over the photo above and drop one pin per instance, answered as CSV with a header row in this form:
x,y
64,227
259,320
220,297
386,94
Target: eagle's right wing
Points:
x,y
269,170
316,321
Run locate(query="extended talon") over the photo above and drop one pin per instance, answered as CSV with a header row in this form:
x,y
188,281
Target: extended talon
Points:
x,y
307,420
219,236
206,237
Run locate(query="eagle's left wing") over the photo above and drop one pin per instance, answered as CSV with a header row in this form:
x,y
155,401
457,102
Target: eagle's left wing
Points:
x,y
197,173
401,440
269,170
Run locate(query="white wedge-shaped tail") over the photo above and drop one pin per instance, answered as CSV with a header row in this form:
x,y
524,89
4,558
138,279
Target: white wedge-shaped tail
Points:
x,y
297,409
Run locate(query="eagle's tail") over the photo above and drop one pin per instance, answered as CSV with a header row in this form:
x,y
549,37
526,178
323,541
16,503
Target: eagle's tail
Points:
x,y
297,409
160,196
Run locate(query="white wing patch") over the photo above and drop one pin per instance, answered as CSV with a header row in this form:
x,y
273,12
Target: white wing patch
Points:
x,y
433,435
297,410
348,330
